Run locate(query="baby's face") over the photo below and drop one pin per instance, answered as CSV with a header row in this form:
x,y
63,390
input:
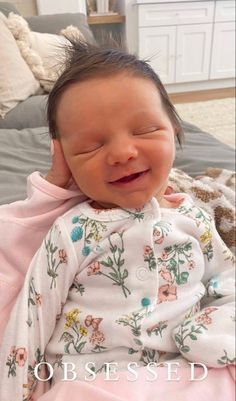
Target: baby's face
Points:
x,y
117,139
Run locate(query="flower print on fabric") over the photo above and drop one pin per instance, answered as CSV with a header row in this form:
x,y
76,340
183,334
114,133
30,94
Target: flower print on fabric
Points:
x,y
87,229
77,286
173,265
17,357
32,380
225,360
167,292
94,268
149,257
160,231
157,329
104,367
190,329
55,257
112,265
192,311
97,337
133,321
34,299
137,215
229,255
150,355
200,217
62,256
77,333
73,337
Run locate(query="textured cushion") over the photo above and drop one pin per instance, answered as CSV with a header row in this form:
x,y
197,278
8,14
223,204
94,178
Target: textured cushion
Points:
x,y
17,82
44,53
49,47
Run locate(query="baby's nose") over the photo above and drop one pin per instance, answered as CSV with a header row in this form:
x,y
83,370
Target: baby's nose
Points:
x,y
121,152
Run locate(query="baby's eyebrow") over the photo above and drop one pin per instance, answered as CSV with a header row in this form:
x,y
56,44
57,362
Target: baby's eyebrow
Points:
x,y
82,133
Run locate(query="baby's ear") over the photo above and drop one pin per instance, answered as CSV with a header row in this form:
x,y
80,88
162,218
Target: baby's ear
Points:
x,y
59,174
58,155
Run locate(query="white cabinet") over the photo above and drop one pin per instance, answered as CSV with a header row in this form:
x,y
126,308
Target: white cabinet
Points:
x,y
187,41
171,13
157,45
223,54
193,52
169,49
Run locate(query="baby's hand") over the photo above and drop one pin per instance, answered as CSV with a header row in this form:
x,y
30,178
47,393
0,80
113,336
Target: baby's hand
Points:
x,y
59,174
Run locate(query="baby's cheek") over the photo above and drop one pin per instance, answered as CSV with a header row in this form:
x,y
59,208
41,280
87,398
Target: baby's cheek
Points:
x,y
85,176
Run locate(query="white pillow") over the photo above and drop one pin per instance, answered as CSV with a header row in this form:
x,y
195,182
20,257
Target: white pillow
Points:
x,y
44,53
17,82
49,47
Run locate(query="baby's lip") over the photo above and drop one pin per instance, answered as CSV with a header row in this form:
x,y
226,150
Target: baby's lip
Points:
x,y
129,177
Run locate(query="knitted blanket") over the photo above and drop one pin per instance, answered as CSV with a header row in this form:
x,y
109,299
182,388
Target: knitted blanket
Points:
x,y
214,192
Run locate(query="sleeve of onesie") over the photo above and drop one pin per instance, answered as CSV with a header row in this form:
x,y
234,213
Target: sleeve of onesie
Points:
x,y
33,317
23,225
209,336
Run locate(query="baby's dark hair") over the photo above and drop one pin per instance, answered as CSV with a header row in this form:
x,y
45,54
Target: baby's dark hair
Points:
x,y
86,61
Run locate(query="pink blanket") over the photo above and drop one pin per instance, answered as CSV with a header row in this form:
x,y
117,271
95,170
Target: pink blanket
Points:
x,y
217,386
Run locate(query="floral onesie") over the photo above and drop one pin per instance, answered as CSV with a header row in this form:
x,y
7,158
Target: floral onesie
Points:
x,y
121,286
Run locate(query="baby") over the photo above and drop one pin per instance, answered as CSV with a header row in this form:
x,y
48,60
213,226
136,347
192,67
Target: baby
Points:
x,y
119,277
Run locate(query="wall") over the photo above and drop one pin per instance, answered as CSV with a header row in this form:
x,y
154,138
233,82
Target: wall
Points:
x,y
25,7
61,6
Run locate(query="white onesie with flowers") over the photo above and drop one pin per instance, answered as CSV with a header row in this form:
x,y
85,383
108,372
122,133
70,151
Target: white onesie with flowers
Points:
x,y
122,286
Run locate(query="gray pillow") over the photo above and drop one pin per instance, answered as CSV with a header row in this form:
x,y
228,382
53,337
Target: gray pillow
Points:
x,y
56,22
28,114
201,150
6,8
21,153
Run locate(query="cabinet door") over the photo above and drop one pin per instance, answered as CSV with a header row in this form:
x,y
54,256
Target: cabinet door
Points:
x,y
193,52
157,44
223,52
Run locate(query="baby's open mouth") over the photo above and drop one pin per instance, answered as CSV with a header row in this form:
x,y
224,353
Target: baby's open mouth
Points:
x,y
129,178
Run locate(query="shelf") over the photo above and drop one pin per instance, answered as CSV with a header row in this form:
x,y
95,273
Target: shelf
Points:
x,y
105,19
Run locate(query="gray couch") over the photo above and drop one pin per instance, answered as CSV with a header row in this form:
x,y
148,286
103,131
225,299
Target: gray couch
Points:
x,y
25,143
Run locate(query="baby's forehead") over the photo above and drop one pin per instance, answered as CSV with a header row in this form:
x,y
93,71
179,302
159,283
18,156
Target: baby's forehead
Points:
x,y
118,89
111,100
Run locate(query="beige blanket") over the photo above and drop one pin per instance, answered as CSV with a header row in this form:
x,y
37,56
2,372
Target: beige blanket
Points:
x,y
214,192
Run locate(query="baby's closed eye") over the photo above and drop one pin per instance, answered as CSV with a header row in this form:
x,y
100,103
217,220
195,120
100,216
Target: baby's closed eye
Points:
x,y
145,130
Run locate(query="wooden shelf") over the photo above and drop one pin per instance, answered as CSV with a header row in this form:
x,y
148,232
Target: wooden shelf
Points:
x,y
105,19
